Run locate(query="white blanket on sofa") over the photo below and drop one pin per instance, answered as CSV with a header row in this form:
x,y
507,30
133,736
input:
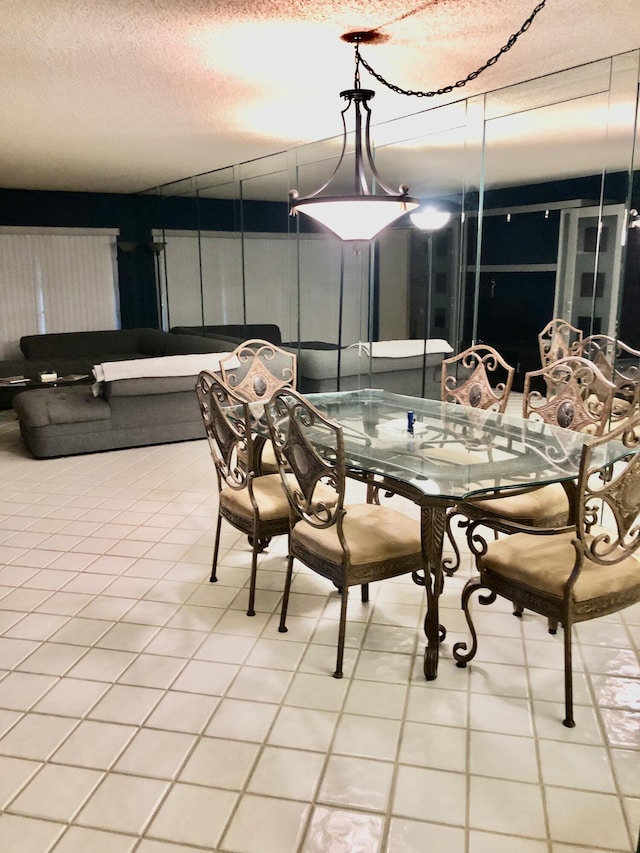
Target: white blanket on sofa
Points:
x,y
402,349
167,365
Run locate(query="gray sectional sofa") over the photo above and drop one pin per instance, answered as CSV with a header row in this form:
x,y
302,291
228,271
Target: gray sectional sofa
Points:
x,y
323,367
64,420
75,353
318,371
130,412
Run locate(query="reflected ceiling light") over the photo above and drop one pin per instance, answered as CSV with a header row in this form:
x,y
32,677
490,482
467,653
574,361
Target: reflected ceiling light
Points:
x,y
429,218
364,213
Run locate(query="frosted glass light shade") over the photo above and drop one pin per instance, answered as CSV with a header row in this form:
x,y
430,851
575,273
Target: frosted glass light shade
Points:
x,y
355,217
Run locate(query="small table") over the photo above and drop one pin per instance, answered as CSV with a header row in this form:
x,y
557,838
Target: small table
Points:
x,y
12,385
454,453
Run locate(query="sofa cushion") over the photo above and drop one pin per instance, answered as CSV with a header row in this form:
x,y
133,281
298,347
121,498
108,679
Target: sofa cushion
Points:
x,y
322,364
147,386
264,331
106,342
46,406
187,344
145,411
235,331
150,342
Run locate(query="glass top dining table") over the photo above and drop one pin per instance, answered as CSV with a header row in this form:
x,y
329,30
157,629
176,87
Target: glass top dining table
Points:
x,y
451,453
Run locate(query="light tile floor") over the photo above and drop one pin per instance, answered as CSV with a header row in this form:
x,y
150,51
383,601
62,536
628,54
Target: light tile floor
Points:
x,y
142,710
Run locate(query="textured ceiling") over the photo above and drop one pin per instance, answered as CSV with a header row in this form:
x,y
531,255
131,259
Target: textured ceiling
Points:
x,y
121,95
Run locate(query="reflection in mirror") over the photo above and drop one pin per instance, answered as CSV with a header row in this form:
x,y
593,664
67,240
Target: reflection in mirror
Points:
x,y
538,178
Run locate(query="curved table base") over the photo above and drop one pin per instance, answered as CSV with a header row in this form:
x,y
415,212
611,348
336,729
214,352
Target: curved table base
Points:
x,y
433,521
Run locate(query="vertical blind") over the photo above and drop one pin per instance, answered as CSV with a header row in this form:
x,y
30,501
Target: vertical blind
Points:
x,y
56,280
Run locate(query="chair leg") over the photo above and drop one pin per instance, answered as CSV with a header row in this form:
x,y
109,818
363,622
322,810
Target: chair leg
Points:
x,y
255,545
342,631
568,721
471,586
282,628
518,610
214,562
364,593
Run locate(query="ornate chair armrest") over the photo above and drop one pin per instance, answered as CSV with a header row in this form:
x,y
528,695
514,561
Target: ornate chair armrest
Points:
x,y
478,544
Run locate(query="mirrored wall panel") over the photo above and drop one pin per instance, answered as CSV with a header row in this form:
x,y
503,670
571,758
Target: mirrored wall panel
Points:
x,y
538,181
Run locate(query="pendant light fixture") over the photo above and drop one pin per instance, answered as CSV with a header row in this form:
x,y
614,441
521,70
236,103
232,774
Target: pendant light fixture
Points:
x,y
364,213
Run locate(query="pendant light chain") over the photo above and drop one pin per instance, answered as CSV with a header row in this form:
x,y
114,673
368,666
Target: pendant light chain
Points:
x,y
358,58
362,214
445,90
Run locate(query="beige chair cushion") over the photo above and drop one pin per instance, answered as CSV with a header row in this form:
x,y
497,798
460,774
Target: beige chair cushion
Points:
x,y
269,495
268,461
544,506
545,563
373,533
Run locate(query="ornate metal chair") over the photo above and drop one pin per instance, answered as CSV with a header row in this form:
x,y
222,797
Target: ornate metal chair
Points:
x,y
254,371
618,362
557,340
570,402
575,573
478,378
255,505
578,395
478,366
349,545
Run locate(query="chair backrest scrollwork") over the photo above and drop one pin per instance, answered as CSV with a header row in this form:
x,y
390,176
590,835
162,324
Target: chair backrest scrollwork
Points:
x,y
570,401
467,379
612,493
619,362
256,369
557,340
225,419
310,452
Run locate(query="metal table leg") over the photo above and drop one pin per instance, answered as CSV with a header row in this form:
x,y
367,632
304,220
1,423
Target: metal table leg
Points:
x,y
432,522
